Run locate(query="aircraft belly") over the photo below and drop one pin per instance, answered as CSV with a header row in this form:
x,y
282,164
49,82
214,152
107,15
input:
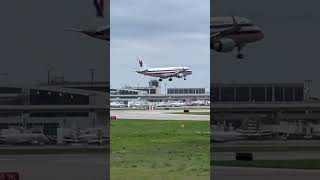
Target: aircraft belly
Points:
x,y
245,38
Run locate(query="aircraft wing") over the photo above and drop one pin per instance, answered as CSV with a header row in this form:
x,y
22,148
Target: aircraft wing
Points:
x,y
167,75
220,34
74,29
105,30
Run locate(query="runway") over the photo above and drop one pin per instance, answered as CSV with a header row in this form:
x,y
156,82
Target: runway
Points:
x,y
53,167
243,173
269,155
158,115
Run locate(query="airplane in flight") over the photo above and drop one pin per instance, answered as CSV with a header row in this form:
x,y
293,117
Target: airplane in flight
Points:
x,y
165,72
227,33
102,33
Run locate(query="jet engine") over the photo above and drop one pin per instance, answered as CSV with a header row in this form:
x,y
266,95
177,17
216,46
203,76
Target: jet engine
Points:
x,y
224,45
180,75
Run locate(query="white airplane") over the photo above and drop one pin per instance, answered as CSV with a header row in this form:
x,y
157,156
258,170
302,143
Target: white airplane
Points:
x,y
165,72
178,104
94,136
247,130
117,104
227,33
18,136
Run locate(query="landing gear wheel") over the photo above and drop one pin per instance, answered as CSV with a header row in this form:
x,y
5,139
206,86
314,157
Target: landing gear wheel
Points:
x,y
170,79
240,56
184,79
160,80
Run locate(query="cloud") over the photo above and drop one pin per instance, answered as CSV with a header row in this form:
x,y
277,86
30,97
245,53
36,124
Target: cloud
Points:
x,y
165,33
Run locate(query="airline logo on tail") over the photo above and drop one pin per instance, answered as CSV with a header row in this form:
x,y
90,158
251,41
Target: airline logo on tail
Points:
x,y
140,60
99,5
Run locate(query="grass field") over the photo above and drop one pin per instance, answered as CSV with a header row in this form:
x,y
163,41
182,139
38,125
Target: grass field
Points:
x,y
193,113
159,150
288,164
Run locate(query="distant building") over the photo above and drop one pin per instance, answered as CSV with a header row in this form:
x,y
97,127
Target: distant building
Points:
x,y
69,105
258,92
186,91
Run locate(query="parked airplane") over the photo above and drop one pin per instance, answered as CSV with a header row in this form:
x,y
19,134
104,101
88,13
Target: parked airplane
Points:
x,y
117,104
94,136
165,72
19,136
177,104
248,130
227,33
102,33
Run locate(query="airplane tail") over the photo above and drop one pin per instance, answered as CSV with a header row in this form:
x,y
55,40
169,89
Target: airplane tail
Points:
x,y
99,5
141,64
250,125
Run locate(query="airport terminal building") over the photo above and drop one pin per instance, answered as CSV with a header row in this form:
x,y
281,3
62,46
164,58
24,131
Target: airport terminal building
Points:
x,y
152,93
76,105
258,92
285,107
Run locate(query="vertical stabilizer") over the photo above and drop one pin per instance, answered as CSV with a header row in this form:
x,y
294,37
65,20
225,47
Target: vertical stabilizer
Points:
x,y
141,64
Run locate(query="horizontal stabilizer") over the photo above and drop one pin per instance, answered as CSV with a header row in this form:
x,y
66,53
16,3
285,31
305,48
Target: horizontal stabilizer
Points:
x,y
74,29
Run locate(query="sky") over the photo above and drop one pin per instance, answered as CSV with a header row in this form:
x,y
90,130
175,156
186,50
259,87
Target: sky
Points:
x,y
289,51
165,33
33,39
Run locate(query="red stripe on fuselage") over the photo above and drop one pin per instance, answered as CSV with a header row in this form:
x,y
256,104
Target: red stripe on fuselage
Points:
x,y
163,72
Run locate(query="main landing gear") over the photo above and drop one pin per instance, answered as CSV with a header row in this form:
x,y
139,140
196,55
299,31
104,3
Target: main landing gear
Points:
x,y
240,55
170,79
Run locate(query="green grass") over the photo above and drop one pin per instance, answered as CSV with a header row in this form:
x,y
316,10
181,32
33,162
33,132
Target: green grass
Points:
x,y
288,164
193,113
156,150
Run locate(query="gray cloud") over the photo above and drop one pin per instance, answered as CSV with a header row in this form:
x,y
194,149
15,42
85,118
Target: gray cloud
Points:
x,y
289,52
165,33
32,37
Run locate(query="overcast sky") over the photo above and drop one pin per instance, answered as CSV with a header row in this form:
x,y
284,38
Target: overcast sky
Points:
x,y
32,38
164,33
289,51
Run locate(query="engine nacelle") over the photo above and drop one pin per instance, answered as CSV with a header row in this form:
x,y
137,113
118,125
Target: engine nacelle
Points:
x,y
180,75
225,45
